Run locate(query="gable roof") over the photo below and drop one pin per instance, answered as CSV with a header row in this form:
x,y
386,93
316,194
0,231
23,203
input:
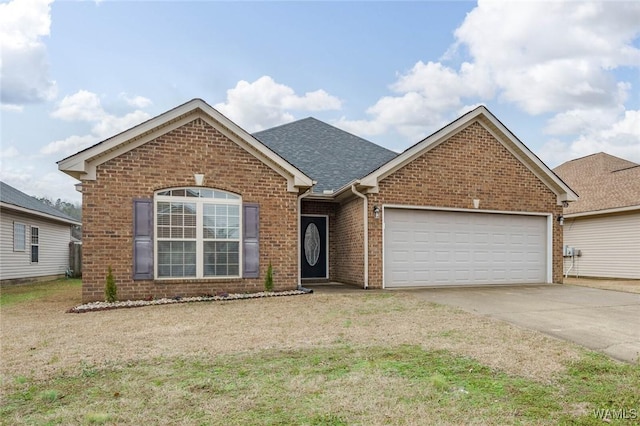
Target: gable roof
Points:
x,y
486,119
82,165
16,200
605,183
329,155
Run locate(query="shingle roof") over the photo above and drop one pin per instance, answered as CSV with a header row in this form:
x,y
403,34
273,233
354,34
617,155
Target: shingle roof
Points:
x,y
327,154
10,195
602,181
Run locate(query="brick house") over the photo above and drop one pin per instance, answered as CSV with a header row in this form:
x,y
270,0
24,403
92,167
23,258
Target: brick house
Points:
x,y
188,203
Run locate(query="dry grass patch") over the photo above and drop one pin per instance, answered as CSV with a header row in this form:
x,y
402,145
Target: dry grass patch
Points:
x,y
39,339
629,286
356,358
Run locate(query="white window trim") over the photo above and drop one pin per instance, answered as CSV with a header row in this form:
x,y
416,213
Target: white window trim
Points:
x,y
200,202
24,237
31,245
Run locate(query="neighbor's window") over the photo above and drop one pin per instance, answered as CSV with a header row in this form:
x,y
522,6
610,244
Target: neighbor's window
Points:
x,y
197,233
19,236
35,244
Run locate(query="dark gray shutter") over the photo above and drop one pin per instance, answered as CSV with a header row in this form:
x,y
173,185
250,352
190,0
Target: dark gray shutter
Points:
x,y
251,240
142,239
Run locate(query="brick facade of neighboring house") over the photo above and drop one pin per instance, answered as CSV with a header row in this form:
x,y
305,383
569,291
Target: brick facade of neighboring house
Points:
x,y
303,171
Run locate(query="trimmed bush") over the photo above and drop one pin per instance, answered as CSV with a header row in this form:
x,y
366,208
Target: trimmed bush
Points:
x,y
110,288
268,280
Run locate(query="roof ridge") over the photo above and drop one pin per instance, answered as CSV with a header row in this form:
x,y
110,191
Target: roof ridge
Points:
x,y
284,124
626,168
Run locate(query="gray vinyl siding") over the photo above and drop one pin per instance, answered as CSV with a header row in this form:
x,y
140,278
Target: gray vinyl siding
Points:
x,y
53,252
610,245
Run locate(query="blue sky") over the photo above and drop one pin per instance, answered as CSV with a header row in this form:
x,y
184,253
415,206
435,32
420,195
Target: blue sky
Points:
x,y
563,76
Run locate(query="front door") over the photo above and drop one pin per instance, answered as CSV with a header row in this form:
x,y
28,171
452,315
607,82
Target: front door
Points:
x,y
314,247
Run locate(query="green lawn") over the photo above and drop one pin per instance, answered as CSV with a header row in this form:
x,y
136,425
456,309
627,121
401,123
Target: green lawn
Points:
x,y
324,386
10,295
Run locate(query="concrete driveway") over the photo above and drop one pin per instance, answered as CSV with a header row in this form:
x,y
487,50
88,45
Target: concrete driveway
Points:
x,y
603,320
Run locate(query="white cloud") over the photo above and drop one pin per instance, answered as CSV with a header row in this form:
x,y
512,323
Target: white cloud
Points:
x,y
424,97
11,108
24,68
10,152
69,145
52,185
553,58
265,103
87,107
580,121
622,139
81,106
136,101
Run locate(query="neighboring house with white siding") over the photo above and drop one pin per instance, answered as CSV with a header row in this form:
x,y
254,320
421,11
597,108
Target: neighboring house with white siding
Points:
x,y
604,224
34,238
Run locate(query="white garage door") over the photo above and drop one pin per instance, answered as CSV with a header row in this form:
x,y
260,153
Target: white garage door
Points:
x,y
434,248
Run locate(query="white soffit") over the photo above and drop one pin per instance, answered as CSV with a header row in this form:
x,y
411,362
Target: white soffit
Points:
x,y
483,116
82,165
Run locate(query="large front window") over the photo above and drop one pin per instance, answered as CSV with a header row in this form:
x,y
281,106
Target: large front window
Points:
x,y
197,233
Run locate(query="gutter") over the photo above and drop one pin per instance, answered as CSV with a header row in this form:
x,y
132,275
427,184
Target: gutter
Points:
x,y
603,211
366,234
300,197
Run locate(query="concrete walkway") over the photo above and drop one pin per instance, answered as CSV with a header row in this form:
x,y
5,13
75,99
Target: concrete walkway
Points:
x,y
603,320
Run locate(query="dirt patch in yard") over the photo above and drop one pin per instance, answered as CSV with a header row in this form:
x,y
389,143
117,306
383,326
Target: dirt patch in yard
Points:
x,y
629,286
39,339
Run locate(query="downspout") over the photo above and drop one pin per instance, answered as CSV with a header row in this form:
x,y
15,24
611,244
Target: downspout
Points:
x,y
366,235
300,197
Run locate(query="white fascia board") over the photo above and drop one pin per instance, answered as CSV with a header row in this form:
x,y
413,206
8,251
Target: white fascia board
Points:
x,y
83,164
602,212
39,214
114,150
78,162
501,133
295,178
299,179
372,179
533,163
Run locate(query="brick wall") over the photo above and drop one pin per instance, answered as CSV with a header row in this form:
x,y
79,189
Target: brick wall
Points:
x,y
470,165
350,242
171,161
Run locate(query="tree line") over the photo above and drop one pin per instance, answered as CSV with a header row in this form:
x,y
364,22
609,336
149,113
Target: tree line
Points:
x,y
70,209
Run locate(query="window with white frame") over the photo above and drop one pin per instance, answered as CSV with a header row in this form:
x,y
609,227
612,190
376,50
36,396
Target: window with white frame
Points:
x,y
19,236
35,244
198,233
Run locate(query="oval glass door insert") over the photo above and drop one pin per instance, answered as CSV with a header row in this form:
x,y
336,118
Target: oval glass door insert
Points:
x,y
312,244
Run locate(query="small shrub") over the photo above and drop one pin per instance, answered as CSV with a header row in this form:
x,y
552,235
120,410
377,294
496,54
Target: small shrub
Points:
x,y
268,280
110,289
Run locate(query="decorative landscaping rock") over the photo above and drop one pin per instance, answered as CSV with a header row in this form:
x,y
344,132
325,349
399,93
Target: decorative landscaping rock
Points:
x,y
103,306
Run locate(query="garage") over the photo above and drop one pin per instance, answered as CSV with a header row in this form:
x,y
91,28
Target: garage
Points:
x,y
444,248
